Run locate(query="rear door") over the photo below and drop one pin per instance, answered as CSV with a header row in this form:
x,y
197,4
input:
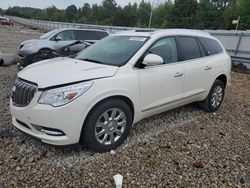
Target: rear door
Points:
x,y
197,68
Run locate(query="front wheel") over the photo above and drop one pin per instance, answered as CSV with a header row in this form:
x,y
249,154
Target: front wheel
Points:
x,y
1,61
214,98
107,125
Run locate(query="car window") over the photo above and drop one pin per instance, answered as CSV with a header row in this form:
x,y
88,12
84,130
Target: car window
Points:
x,y
66,35
202,50
100,35
113,50
49,34
89,35
189,48
211,46
166,48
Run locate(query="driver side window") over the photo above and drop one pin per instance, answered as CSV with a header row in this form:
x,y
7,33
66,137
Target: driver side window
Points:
x,y
66,35
167,49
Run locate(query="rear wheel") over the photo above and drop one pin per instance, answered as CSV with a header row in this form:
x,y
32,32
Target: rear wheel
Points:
x,y
214,98
107,125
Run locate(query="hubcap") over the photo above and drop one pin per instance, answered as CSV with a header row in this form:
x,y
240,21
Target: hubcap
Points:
x,y
110,126
217,96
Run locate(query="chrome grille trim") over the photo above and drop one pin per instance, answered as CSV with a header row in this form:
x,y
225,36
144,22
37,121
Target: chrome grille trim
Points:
x,y
22,93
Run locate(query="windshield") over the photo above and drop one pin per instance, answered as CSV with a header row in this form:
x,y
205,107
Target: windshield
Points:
x,y
113,50
49,34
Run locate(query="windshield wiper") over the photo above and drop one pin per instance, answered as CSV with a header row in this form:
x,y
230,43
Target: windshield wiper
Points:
x,y
92,60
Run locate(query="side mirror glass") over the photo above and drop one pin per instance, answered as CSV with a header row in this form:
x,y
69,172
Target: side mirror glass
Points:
x,y
152,60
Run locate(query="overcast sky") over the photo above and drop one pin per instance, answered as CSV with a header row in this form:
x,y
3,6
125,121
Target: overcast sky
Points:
x,y
61,4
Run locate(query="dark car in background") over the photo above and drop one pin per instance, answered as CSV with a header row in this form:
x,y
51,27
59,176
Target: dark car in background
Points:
x,y
68,50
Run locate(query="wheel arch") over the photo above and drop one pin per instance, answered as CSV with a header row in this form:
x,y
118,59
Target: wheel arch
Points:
x,y
223,78
45,48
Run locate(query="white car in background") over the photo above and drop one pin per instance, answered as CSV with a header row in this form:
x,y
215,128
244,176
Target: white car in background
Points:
x,y
120,80
57,39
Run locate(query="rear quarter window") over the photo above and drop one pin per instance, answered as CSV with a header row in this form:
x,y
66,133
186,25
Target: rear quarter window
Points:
x,y
211,46
90,35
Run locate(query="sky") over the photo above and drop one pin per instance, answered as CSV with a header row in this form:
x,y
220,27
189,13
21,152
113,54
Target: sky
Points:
x,y
61,4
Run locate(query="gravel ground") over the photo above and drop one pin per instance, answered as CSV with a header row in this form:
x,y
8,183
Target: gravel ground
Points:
x,y
12,36
185,147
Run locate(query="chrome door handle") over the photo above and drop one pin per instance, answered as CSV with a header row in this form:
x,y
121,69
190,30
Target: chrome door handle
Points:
x,y
208,68
178,74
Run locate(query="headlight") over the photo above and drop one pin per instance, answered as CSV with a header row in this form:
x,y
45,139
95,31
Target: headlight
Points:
x,y
28,45
63,95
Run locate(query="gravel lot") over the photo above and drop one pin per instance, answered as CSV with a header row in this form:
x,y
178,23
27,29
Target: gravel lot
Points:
x,y
185,147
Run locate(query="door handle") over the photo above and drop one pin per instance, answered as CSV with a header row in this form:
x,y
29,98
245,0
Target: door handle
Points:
x,y
208,68
178,74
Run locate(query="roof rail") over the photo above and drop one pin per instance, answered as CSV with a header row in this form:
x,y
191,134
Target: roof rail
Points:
x,y
144,30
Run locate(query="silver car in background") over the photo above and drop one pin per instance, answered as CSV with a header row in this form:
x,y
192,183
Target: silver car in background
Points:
x,y
57,39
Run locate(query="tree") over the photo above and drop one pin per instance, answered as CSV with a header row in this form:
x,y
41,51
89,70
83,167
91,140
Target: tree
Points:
x,y
1,11
230,14
85,12
184,14
107,11
144,11
71,14
95,14
243,11
201,14
52,14
161,14
130,12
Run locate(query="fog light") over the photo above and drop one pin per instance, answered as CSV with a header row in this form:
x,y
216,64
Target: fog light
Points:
x,y
49,131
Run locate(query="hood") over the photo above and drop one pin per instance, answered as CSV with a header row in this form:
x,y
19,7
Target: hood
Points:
x,y
29,41
64,70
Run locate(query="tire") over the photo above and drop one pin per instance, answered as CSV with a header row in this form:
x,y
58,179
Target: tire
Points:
x,y
1,62
215,97
45,53
99,129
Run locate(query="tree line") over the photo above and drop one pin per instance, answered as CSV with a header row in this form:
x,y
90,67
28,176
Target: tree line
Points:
x,y
202,14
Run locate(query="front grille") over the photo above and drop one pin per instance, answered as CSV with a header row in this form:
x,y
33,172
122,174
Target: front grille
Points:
x,y
22,93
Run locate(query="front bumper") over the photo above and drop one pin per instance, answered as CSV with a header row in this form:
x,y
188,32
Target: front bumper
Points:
x,y
68,119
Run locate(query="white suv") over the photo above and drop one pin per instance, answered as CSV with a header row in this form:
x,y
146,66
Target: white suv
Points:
x,y
98,96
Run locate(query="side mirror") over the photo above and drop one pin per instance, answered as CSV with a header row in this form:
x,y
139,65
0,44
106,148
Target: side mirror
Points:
x,y
152,60
58,38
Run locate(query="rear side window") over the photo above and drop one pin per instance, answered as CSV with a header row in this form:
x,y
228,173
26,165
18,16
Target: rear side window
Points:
x,y
100,35
211,46
90,35
189,48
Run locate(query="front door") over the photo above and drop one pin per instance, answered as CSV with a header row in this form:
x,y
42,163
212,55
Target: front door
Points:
x,y
64,38
162,85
